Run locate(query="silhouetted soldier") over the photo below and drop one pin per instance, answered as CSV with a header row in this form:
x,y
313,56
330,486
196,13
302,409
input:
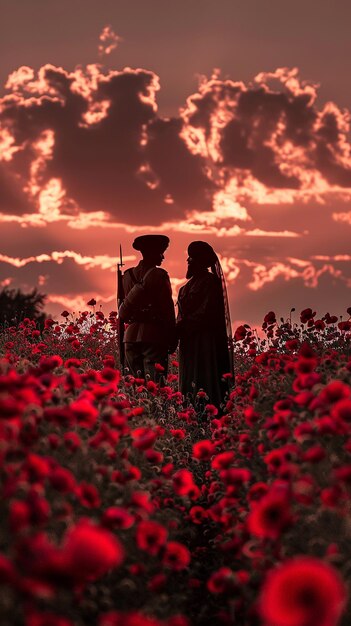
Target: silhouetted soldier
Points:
x,y
148,309
203,326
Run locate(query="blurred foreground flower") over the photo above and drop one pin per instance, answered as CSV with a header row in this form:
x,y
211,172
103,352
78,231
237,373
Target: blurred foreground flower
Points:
x,y
303,592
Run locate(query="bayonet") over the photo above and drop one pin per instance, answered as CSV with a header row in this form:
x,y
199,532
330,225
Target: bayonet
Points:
x,y
120,298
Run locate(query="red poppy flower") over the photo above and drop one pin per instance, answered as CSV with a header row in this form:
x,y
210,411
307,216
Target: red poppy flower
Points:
x,y
306,315
109,374
221,581
197,514
305,366
330,319
211,409
201,394
91,551
37,557
91,302
304,591
159,367
153,456
143,437
306,381
167,470
36,467
344,326
151,536
73,362
48,363
183,482
117,517
304,398
223,460
65,314
342,410
47,619
270,515
176,556
319,325
292,344
303,431
235,476
270,318
88,495
178,620
203,450
334,391
240,333
133,618
72,441
132,473
62,480
251,416
277,457
157,583
343,474
314,454
306,350
141,500
7,571
178,433
19,515
326,425
152,387
10,408
85,413
109,361
257,491
331,496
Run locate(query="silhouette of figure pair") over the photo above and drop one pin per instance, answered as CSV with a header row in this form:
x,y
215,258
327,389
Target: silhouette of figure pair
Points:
x,y
201,327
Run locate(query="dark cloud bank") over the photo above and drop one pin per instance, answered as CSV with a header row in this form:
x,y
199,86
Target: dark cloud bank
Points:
x,y
113,153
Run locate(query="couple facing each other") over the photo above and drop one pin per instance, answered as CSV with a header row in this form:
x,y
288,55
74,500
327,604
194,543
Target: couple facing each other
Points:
x,y
201,328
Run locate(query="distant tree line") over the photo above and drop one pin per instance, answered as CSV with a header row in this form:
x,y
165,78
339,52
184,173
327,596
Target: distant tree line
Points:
x,y
16,305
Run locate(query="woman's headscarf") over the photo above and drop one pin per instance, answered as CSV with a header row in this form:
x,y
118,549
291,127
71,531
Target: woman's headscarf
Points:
x,y
202,252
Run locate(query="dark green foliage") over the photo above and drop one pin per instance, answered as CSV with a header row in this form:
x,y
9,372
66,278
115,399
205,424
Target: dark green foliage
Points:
x,y
16,305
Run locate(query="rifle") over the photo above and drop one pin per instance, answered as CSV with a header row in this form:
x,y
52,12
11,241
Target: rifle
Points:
x,y
120,298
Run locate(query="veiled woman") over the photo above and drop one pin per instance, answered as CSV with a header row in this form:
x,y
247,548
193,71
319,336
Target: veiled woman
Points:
x,y
203,326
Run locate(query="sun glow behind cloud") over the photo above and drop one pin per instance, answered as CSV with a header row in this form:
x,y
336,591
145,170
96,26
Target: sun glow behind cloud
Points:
x,y
89,152
79,303
103,262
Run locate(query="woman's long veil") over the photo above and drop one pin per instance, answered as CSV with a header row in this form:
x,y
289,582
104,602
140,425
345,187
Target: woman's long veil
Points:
x,y
217,270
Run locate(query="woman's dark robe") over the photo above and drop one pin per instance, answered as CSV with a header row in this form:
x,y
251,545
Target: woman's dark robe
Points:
x,y
203,346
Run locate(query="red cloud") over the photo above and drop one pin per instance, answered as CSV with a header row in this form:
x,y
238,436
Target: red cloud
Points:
x,y
13,199
98,127
274,135
92,142
108,40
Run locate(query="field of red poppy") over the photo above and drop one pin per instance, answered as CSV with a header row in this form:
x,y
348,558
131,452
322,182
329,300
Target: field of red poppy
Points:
x,y
123,505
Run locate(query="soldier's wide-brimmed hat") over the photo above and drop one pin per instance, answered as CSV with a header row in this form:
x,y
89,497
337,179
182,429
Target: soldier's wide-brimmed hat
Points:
x,y
151,243
203,252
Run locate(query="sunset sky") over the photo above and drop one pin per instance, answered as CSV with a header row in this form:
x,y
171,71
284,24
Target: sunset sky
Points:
x,y
227,121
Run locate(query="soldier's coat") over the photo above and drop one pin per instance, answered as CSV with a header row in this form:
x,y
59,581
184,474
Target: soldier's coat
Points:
x,y
159,294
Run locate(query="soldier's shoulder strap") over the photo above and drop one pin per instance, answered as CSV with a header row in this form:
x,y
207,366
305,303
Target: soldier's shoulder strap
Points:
x,y
132,275
135,279
147,274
